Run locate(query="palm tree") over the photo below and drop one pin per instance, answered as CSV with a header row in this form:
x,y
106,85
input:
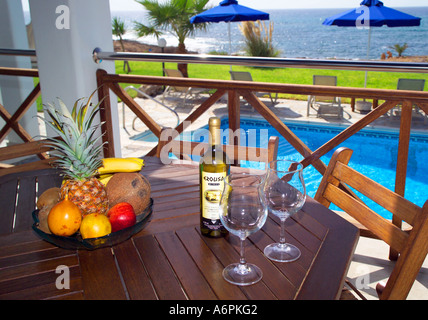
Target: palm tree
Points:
x,y
118,29
172,16
399,48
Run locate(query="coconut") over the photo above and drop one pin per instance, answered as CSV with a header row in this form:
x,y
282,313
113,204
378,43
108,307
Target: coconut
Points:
x,y
129,187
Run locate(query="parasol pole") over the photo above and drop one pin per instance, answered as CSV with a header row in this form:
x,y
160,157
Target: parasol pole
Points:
x,y
230,41
368,53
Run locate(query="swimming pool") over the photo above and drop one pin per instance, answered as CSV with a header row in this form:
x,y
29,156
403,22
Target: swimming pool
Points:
x,y
375,154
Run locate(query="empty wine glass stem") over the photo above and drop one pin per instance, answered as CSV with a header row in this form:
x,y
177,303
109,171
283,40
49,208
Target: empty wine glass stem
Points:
x,y
282,233
242,252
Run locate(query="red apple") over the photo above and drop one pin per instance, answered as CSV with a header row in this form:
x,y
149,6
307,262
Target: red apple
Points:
x,y
121,216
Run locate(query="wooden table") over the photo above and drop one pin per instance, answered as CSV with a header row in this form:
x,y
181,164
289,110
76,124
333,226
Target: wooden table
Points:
x,y
169,259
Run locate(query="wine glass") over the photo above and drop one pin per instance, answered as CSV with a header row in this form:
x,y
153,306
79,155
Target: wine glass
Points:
x,y
242,212
285,193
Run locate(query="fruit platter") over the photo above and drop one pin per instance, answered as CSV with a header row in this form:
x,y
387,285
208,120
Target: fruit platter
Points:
x,y
101,201
76,241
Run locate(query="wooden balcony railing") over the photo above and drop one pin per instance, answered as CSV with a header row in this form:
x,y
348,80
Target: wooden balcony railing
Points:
x,y
234,89
29,145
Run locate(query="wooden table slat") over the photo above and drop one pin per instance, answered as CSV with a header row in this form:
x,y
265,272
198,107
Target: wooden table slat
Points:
x,y
133,272
171,224
20,248
193,282
227,255
293,272
47,290
273,229
32,257
183,193
177,203
7,199
273,276
333,258
24,206
208,264
19,271
164,281
101,279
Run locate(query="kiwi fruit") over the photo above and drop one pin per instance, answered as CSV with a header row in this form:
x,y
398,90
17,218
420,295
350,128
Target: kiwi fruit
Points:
x,y
49,197
129,187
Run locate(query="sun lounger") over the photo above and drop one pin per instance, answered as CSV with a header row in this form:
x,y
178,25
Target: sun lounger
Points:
x,y
325,105
246,76
409,84
186,91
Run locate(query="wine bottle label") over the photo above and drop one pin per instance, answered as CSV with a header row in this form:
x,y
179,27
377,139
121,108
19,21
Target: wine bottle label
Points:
x,y
212,188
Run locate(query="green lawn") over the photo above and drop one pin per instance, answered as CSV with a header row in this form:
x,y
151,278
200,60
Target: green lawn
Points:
x,y
345,78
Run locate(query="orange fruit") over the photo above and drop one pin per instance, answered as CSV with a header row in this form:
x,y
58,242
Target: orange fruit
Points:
x,y
64,218
95,225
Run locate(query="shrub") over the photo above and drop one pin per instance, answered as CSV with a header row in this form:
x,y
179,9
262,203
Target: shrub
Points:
x,y
258,39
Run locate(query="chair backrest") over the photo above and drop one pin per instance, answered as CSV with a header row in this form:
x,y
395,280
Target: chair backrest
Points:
x,y
325,81
34,148
241,75
412,246
411,84
175,74
182,149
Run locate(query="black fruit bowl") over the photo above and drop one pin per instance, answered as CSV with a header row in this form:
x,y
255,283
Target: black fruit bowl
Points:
x,y
76,242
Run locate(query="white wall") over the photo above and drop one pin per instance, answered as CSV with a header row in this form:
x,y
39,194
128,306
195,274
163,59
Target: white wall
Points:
x,y
65,34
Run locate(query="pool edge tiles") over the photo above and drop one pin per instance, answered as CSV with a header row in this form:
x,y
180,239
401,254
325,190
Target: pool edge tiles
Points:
x,y
383,132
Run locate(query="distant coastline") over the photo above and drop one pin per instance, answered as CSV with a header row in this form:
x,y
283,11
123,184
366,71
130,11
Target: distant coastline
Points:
x,y
137,46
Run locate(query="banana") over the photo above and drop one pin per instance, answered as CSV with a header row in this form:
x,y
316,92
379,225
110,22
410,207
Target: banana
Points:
x,y
139,160
112,165
105,178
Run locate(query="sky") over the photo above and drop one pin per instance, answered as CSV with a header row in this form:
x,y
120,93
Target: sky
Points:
x,y
118,5
130,5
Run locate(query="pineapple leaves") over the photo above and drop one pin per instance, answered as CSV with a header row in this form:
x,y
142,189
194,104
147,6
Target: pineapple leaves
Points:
x,y
78,146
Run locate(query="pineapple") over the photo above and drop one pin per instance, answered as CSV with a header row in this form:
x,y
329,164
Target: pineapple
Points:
x,y
79,155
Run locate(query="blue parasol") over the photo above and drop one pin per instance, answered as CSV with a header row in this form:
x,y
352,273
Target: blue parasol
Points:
x,y
372,13
229,11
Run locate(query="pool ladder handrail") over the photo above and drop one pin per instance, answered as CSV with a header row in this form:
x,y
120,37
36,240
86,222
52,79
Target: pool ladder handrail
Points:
x,y
148,97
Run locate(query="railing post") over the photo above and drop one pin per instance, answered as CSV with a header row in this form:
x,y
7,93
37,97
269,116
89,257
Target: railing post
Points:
x,y
402,158
105,115
234,119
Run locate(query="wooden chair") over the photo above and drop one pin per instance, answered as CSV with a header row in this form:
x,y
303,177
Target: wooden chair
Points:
x,y
183,149
412,245
325,105
23,150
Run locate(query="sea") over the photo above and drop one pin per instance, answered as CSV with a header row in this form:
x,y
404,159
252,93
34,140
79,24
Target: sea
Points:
x,y
299,33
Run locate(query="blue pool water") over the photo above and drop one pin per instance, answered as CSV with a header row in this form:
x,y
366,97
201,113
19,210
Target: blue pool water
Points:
x,y
375,154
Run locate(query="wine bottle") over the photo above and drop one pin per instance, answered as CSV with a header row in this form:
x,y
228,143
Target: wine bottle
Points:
x,y
213,169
